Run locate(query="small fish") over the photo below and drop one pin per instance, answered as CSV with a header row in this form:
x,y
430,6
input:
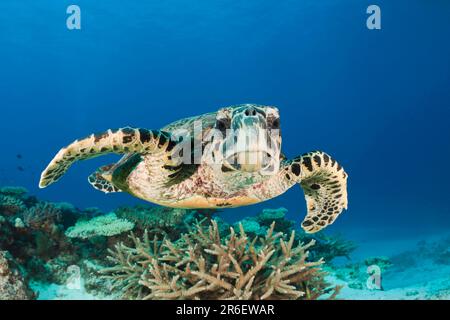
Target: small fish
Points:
x,y
19,156
20,168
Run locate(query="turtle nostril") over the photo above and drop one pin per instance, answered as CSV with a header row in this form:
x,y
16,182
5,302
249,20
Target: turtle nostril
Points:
x,y
250,112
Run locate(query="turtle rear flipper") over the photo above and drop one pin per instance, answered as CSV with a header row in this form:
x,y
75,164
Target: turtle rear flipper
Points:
x,y
324,183
121,141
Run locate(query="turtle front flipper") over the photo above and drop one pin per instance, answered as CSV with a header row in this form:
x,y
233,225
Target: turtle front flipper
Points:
x,y
101,179
324,183
120,141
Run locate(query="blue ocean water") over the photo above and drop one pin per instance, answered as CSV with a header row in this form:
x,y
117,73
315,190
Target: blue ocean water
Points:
x,y
377,100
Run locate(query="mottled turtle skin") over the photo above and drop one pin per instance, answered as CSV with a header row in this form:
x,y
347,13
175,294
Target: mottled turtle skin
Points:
x,y
215,175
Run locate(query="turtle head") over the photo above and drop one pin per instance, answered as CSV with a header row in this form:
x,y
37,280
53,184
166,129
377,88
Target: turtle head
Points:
x,y
247,138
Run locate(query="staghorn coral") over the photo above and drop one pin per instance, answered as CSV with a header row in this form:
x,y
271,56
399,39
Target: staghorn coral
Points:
x,y
204,265
326,247
45,252
107,225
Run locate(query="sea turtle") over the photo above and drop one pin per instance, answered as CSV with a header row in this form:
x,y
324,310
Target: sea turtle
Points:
x,y
228,158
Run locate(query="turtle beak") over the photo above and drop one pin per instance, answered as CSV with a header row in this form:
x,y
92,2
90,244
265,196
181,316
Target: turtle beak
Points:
x,y
250,149
248,140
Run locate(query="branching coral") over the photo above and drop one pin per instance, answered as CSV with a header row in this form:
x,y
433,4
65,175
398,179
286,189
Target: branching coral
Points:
x,y
44,216
326,247
204,265
186,259
10,205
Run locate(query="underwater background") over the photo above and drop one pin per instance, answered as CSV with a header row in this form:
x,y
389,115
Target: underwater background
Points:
x,y
376,100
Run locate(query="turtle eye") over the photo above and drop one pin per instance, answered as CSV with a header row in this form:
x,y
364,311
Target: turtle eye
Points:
x,y
276,123
222,125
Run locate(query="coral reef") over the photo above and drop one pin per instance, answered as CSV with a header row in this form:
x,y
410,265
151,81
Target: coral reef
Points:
x,y
438,251
259,224
250,226
204,265
329,247
46,240
267,216
13,285
16,192
34,236
42,217
147,217
107,225
384,263
413,271
10,205
170,222
435,252
356,274
95,283
326,247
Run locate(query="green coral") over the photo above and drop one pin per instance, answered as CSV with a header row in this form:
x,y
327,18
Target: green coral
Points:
x,y
250,226
267,216
383,262
18,223
13,191
152,217
330,247
10,205
107,225
355,275
272,214
65,207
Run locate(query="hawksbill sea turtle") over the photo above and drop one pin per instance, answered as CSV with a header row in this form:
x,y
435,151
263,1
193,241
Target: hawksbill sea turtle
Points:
x,y
229,158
